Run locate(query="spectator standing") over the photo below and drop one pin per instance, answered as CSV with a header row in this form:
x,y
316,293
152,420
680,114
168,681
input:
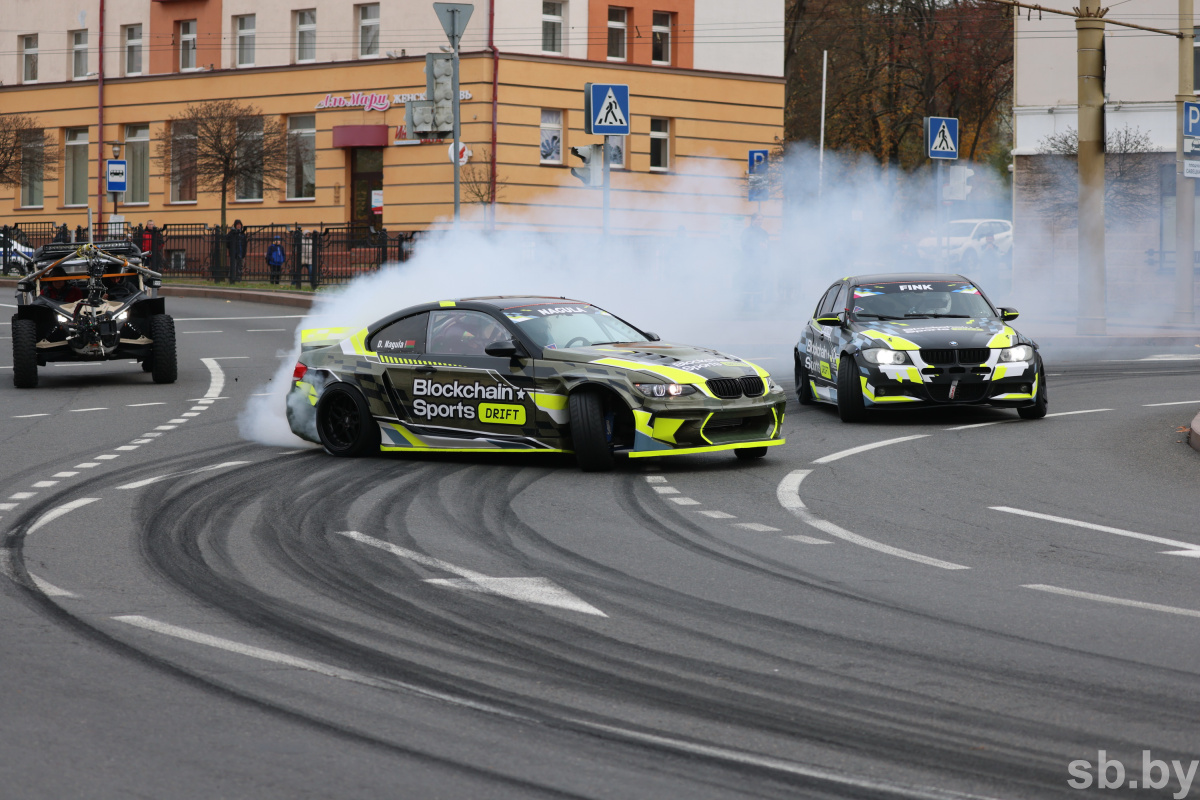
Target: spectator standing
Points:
x,y
235,242
275,259
151,245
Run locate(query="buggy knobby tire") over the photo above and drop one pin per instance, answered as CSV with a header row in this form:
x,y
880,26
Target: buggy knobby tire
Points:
x,y
593,451
25,366
850,397
163,366
345,424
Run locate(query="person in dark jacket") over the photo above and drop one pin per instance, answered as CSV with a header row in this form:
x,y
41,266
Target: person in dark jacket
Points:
x,y
235,242
276,258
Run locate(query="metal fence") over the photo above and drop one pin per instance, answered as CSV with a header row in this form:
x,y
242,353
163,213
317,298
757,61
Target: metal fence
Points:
x,y
321,255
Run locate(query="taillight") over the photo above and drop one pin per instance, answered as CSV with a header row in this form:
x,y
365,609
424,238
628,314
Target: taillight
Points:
x,y
298,372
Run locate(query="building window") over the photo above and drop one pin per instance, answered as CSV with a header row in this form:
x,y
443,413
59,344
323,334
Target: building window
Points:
x,y
552,27
29,58
183,162
187,44
137,156
32,168
133,50
76,158
616,151
245,40
661,44
617,31
79,54
552,136
302,157
368,30
660,144
306,35
249,154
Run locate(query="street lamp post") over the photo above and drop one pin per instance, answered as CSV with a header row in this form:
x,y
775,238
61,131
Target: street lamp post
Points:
x,y
116,153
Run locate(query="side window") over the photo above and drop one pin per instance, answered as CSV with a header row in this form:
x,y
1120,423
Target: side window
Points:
x,y
828,303
821,303
463,333
841,302
404,337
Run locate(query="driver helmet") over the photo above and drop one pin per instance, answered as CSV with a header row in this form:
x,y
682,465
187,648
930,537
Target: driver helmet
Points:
x,y
934,303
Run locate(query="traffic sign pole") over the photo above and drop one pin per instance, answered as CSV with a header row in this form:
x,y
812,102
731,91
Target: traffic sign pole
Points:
x,y
1185,190
607,184
454,18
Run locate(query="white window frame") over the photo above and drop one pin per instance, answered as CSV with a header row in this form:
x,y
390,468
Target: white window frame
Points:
x,y
303,30
72,156
551,126
187,45
657,30
137,158
553,21
79,55
310,133
623,26
133,46
244,39
364,24
29,57
663,136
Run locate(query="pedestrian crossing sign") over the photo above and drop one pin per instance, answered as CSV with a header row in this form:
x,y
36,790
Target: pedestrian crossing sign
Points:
x,y
606,109
941,137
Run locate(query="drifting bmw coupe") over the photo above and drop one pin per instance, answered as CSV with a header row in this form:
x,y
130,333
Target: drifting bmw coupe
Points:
x,y
526,374
906,341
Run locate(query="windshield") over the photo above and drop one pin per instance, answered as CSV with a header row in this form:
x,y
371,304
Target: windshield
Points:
x,y
554,327
958,229
916,300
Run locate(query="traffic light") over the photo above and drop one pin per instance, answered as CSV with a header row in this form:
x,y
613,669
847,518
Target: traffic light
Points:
x,y
418,119
592,171
959,185
439,89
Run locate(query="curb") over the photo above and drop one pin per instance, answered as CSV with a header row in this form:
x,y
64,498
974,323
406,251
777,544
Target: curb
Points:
x,y
280,298
1194,434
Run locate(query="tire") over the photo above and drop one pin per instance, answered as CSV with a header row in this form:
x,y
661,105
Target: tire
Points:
x,y
345,424
746,453
849,398
163,366
148,363
1038,409
593,451
803,388
25,365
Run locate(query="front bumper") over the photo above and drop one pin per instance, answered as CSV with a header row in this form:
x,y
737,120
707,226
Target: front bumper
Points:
x,y
669,428
1010,385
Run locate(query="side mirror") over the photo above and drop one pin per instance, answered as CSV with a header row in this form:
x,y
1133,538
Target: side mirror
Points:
x,y
1008,314
652,336
506,348
831,320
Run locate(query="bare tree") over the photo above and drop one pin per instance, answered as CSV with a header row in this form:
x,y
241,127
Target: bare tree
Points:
x,y
223,144
476,181
27,152
1130,176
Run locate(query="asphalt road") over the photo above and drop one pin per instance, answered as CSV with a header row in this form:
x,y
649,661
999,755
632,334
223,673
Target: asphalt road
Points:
x,y
963,606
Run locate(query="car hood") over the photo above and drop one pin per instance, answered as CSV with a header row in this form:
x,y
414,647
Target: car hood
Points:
x,y
679,362
934,333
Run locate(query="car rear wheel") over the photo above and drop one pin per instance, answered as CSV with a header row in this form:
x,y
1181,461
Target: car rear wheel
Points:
x,y
163,366
803,387
850,405
25,366
593,450
750,452
345,424
1038,409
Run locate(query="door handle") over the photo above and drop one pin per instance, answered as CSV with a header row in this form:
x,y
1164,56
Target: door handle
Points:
x,y
425,368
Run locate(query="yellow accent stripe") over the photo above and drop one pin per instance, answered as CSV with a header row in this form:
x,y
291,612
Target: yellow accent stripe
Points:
x,y
447,304
549,401
323,334
702,425
1003,339
672,374
679,451
894,342
665,429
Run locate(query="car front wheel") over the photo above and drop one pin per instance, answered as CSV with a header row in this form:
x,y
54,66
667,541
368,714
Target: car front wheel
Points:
x,y
850,405
593,450
1038,409
804,391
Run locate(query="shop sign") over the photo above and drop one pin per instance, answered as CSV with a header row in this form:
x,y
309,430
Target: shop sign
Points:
x,y
401,138
375,101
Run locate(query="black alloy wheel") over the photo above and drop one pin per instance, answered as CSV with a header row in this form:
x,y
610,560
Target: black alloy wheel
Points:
x,y
804,392
850,405
345,424
1041,401
593,450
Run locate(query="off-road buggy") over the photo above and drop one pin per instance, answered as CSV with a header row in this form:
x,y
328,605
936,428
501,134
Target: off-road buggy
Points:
x,y
91,302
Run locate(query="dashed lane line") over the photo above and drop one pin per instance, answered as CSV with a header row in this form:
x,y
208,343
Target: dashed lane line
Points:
x,y
157,478
788,494
1176,403
798,537
1084,411
865,447
1188,548
665,489
1118,601
684,501
716,514
755,526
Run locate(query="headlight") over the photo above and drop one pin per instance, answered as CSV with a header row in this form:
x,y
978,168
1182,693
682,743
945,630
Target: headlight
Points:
x,y
1021,352
877,355
61,318
124,315
664,389
771,385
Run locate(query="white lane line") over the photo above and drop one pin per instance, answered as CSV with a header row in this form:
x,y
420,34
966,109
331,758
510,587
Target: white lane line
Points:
x,y
754,526
64,475
27,416
978,425
216,381
202,331
49,589
1117,601
717,514
127,447
265,330
21,495
665,489
157,478
107,457
139,405
529,590
655,479
1102,528
1171,357
164,428
1176,403
65,508
190,414
78,410
152,434
1085,411
797,537
86,465
44,484
8,506
176,421
788,493
141,441
684,501
864,448
199,408
222,319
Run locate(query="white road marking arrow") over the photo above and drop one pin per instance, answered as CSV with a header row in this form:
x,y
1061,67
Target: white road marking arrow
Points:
x,y
527,590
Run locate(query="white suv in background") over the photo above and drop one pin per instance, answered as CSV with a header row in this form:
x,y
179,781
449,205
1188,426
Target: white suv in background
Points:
x,y
969,242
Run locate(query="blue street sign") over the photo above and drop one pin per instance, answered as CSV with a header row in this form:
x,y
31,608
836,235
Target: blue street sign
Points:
x,y
758,164
116,175
1191,119
606,109
758,161
941,137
